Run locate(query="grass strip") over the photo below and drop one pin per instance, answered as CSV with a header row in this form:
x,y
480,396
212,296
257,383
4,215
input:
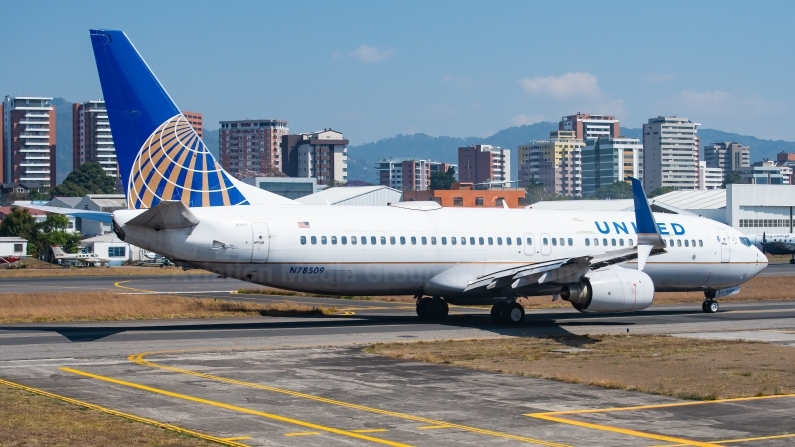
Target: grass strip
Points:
x,y
108,306
672,366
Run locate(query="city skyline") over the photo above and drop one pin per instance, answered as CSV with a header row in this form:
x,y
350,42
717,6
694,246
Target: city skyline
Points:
x,y
398,69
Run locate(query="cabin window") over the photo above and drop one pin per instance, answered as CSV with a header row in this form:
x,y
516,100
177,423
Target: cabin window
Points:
x,y
453,240
333,240
480,240
671,243
571,242
303,240
529,241
353,240
472,241
545,241
587,242
499,241
554,242
507,241
678,242
700,243
630,243
491,241
433,240
693,242
687,243
463,241
392,240
621,242
604,242
595,242
363,239
383,240
413,240
561,242
444,240
402,240
323,240
314,240
614,242
344,240
424,240
372,240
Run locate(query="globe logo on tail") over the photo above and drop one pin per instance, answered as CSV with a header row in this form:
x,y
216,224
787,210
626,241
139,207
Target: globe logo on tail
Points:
x,y
174,164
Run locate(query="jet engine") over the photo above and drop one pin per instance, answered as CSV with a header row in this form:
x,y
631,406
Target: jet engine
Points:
x,y
610,290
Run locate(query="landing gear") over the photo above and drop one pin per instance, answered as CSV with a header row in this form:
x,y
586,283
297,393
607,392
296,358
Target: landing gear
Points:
x,y
432,308
792,261
710,306
510,313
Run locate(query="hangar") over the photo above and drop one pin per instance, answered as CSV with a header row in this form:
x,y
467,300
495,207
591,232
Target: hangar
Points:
x,y
378,195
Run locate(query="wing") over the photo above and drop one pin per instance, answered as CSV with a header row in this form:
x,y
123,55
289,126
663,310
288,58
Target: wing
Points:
x,y
568,270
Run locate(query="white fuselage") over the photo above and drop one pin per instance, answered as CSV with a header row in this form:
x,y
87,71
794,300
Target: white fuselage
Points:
x,y
410,251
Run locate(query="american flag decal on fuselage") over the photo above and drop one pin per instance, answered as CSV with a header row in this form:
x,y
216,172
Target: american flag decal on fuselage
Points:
x,y
174,164
303,224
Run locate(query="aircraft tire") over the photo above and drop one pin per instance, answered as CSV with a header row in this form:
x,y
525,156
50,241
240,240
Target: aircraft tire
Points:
x,y
512,314
704,307
496,312
424,308
711,306
792,261
438,309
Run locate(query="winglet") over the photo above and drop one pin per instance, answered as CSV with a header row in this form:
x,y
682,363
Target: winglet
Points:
x,y
648,233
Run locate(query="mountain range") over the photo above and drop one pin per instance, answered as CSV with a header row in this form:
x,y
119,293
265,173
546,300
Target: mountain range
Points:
x,y
362,157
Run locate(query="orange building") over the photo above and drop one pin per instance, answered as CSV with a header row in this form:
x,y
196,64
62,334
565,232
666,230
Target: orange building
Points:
x,y
196,120
462,194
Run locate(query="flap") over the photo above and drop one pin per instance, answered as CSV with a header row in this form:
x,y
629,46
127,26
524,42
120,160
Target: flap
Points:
x,y
166,215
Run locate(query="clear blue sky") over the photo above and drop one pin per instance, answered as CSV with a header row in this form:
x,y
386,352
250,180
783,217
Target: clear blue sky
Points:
x,y
457,68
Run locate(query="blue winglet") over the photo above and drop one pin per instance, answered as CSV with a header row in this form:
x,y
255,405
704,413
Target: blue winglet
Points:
x,y
648,233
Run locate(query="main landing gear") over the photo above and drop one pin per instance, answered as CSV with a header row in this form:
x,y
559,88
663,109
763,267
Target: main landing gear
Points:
x,y
792,261
434,308
710,306
510,313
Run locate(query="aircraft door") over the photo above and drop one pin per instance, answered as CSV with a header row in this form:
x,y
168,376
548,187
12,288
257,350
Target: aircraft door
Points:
x,y
725,246
545,241
261,242
529,244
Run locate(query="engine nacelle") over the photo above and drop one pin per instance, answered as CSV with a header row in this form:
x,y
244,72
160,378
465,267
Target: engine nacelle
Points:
x,y
610,290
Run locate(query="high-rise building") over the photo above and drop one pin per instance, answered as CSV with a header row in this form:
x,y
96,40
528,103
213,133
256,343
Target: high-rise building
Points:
x,y
587,126
670,153
91,137
609,160
766,172
727,157
409,174
250,148
483,163
196,120
709,178
556,163
322,155
28,140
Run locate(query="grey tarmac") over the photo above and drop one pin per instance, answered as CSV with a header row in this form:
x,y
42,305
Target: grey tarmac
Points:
x,y
297,382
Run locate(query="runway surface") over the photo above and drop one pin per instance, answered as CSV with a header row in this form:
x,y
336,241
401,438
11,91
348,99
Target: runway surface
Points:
x,y
298,382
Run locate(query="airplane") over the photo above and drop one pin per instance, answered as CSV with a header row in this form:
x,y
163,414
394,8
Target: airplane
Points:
x,y
776,244
184,205
85,258
8,261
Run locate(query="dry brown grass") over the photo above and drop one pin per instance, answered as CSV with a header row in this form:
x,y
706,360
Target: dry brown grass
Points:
x,y
105,306
672,366
282,292
30,420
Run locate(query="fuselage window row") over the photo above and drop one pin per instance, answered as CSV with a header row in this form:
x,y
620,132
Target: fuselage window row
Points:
x,y
490,240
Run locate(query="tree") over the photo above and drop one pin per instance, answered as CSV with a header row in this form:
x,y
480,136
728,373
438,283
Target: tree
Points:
x,y
615,191
443,180
536,192
733,177
662,190
89,178
19,223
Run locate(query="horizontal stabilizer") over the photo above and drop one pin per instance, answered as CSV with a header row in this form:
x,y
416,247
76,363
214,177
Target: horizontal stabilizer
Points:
x,y
166,215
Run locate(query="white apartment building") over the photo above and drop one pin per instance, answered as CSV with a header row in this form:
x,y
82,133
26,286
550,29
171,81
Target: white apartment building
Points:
x,y
727,156
409,174
28,140
586,126
92,140
670,153
322,155
556,163
608,160
709,178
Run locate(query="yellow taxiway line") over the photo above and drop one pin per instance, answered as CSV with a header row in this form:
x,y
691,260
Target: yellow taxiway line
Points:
x,y
236,408
119,285
139,359
169,427
555,417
